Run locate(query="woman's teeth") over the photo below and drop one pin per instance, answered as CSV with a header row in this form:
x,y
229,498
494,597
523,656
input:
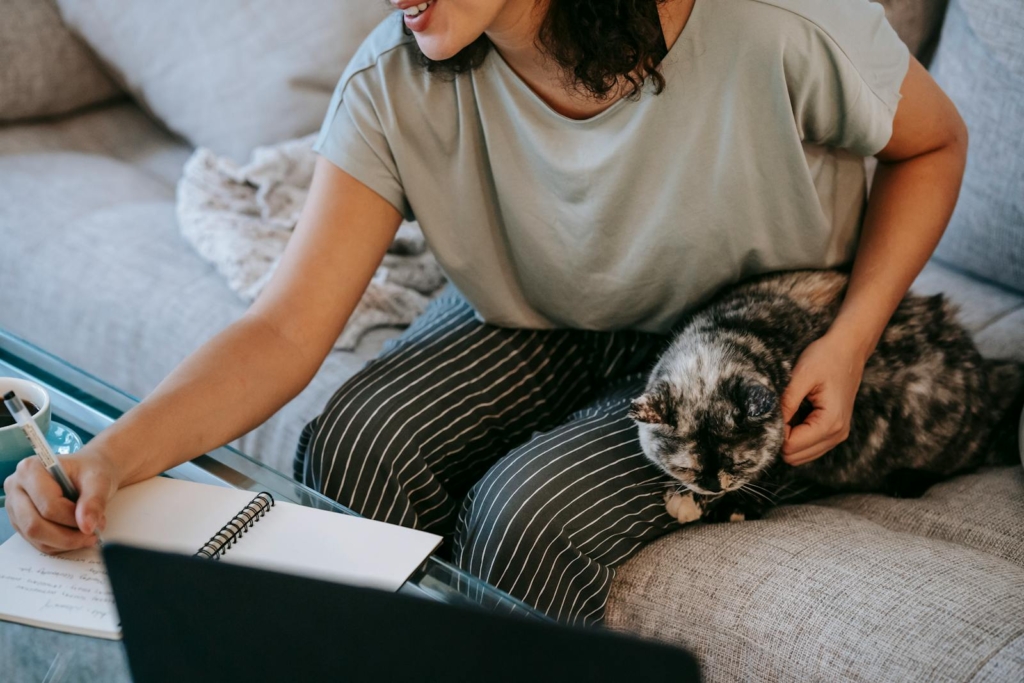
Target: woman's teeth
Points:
x,y
415,10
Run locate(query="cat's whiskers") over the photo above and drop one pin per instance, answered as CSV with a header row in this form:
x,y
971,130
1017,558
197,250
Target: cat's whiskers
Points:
x,y
790,494
756,494
760,492
794,494
746,493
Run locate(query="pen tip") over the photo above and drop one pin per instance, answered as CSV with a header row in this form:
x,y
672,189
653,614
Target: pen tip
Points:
x,y
9,396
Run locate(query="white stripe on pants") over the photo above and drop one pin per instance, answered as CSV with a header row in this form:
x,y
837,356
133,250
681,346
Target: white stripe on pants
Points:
x,y
514,444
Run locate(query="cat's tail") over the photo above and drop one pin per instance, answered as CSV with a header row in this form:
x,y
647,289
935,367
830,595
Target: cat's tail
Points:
x,y
1006,387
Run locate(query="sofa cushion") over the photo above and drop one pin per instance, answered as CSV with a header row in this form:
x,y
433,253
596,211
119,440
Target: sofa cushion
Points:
x,y
46,70
233,74
815,593
980,65
993,314
917,23
119,131
982,510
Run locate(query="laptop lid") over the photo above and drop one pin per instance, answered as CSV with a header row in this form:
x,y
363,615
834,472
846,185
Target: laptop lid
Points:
x,y
188,619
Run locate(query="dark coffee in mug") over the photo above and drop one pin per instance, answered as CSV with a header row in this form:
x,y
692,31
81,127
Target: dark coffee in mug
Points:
x,y
6,419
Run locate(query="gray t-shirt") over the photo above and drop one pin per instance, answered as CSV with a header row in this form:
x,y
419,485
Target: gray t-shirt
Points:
x,y
749,161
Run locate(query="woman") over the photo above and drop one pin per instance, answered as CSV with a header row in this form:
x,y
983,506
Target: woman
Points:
x,y
585,171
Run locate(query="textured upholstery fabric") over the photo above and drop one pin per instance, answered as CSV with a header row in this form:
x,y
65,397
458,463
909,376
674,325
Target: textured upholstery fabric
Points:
x,y
118,131
917,22
956,511
114,289
814,593
1006,665
233,74
980,65
46,70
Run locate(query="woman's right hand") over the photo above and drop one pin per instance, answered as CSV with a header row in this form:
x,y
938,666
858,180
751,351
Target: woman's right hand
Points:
x,y
39,511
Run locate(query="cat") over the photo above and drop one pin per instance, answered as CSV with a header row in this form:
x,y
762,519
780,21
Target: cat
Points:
x,y
927,407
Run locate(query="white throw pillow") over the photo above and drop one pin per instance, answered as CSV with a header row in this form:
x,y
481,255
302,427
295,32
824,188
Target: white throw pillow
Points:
x,y
230,75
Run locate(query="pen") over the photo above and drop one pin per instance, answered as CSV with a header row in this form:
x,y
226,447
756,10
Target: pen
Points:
x,y
38,441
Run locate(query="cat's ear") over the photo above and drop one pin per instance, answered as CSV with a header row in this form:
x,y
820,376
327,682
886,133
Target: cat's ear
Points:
x,y
757,401
651,407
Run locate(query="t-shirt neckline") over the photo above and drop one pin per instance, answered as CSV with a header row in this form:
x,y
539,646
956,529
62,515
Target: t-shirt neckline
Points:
x,y
509,74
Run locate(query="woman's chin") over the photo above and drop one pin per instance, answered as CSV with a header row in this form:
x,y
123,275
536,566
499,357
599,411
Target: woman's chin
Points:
x,y
437,49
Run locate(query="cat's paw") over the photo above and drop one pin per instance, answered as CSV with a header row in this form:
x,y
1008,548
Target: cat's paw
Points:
x,y
682,506
737,517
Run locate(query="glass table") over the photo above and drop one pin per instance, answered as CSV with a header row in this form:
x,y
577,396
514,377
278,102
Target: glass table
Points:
x,y
87,405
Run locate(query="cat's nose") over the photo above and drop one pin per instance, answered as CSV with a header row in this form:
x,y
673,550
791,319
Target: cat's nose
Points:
x,y
710,484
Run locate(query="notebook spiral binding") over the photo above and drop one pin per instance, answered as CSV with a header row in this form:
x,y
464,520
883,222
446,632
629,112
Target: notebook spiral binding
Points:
x,y
231,532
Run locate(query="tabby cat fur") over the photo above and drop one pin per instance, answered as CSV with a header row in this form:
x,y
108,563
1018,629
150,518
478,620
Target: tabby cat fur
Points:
x,y
928,405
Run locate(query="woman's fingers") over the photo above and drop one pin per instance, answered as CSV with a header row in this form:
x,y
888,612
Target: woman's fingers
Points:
x,y
805,436
45,493
45,535
39,511
800,386
829,438
95,490
806,456
814,437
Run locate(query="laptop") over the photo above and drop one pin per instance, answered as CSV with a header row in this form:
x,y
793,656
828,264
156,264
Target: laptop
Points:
x,y
190,619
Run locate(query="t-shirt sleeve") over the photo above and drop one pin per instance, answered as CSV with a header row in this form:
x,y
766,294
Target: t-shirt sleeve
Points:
x,y
353,139
844,68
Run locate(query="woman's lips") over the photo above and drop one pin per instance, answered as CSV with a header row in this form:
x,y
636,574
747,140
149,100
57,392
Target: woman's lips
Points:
x,y
419,20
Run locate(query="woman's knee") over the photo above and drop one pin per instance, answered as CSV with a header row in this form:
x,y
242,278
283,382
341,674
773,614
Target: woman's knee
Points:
x,y
351,444
506,518
560,496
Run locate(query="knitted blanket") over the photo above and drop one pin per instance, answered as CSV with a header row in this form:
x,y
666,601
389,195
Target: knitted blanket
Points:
x,y
239,218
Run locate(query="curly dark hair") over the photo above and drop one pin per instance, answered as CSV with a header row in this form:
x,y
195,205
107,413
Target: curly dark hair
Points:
x,y
599,44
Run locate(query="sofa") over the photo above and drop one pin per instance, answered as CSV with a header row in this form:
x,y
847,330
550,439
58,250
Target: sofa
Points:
x,y
103,101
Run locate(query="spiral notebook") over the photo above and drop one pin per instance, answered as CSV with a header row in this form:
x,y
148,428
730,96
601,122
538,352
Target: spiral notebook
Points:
x,y
71,593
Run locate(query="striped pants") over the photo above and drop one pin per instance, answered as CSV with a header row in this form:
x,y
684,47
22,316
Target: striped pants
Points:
x,y
513,444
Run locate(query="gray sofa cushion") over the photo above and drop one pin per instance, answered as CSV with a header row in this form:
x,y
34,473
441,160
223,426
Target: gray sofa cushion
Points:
x,y
917,22
115,290
46,70
994,315
950,511
119,130
814,593
980,64
232,74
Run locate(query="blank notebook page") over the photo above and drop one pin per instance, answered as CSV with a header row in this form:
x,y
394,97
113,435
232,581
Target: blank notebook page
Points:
x,y
288,538
333,547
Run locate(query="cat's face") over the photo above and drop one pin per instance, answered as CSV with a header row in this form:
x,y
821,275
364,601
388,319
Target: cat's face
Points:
x,y
711,436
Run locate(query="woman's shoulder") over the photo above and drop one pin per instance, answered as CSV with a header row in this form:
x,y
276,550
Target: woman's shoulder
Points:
x,y
777,21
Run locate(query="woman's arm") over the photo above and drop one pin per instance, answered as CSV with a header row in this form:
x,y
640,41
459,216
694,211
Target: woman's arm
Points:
x,y
237,379
914,191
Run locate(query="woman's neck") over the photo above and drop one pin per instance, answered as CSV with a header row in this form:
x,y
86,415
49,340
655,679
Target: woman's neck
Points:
x,y
514,35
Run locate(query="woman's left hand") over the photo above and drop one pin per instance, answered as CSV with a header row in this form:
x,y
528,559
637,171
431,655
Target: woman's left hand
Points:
x,y
827,375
